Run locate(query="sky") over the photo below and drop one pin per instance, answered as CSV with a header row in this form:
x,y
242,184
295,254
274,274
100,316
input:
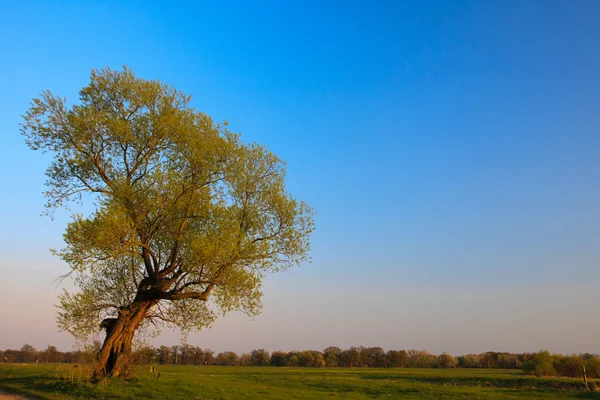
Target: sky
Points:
x,y
451,150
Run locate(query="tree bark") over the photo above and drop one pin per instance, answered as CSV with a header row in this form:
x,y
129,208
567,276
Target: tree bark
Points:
x,y
114,359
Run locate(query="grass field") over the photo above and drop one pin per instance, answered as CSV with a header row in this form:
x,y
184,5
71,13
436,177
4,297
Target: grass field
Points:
x,y
191,382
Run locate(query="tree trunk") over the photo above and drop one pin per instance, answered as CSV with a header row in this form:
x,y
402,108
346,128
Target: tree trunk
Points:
x,y
114,358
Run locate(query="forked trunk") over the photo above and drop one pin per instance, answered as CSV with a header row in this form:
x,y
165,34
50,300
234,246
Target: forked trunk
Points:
x,y
114,358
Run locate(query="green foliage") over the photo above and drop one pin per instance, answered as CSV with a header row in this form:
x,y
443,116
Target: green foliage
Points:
x,y
421,359
529,367
227,358
592,366
260,357
332,356
542,364
569,366
278,359
446,360
470,361
143,353
185,211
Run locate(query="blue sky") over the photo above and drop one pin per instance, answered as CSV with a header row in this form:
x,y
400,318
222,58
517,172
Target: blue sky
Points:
x,y
450,149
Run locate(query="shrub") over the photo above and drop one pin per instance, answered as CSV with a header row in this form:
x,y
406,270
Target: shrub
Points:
x,y
592,367
569,366
544,365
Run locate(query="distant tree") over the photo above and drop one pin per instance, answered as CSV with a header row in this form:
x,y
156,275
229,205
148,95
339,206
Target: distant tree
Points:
x,y
69,357
175,354
28,353
592,365
332,356
396,358
221,359
49,355
278,359
87,352
163,354
544,364
306,358
469,361
227,358
525,359
421,359
446,360
188,218
244,359
209,357
319,360
350,357
293,359
489,359
570,366
198,355
507,360
187,354
12,356
260,357
373,357
142,353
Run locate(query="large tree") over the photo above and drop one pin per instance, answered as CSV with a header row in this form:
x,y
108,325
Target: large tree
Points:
x,y
187,218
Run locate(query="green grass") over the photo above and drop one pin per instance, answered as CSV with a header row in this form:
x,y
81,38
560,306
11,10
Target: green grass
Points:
x,y
191,382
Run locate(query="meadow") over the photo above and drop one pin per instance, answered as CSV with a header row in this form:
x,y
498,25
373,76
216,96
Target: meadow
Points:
x,y
215,382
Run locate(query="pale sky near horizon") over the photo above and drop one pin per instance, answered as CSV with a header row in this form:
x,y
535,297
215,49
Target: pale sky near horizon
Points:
x,y
450,148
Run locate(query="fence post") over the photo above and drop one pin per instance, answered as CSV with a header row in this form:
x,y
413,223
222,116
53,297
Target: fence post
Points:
x,y
585,380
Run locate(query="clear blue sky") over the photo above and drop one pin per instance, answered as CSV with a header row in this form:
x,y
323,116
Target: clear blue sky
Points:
x,y
450,148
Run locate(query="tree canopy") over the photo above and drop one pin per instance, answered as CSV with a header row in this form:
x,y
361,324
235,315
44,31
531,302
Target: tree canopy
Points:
x,y
188,218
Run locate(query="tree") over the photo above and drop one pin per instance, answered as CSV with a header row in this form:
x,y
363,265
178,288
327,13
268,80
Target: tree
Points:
x,y
185,212
507,360
143,353
571,366
227,358
28,353
332,356
50,355
186,353
446,360
350,357
372,357
209,357
470,361
592,365
420,359
163,354
319,361
11,356
306,358
488,359
543,363
244,359
278,359
260,357
175,355
198,356
396,358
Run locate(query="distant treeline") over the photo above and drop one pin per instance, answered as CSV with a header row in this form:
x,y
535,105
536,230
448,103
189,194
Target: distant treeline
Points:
x,y
542,363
